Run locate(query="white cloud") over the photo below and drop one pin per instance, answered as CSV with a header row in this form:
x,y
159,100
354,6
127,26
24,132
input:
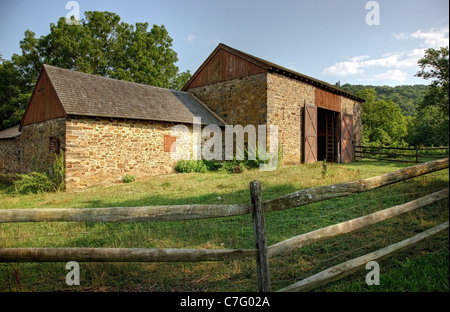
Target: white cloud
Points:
x,y
358,64
359,58
393,65
344,69
401,36
190,38
433,38
395,60
392,74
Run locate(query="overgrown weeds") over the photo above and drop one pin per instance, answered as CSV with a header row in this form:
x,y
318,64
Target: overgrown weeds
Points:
x,y
41,182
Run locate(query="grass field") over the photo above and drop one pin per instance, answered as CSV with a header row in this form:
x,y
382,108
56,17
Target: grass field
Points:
x,y
403,272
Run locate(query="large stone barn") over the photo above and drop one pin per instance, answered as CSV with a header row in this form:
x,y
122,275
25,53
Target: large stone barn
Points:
x,y
316,120
108,128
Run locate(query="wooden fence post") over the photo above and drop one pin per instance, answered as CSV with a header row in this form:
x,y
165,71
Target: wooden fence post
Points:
x,y
380,151
417,153
259,229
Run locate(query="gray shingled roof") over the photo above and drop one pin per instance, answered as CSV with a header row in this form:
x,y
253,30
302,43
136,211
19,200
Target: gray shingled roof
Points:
x,y
10,133
90,95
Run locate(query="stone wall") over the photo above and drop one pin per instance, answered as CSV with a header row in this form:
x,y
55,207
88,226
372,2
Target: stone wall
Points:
x,y
286,99
354,108
102,151
10,155
241,101
36,152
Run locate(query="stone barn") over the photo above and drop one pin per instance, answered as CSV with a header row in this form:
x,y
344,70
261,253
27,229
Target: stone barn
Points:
x,y
316,120
108,128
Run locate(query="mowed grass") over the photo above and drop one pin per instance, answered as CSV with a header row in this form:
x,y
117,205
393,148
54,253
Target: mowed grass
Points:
x,y
233,232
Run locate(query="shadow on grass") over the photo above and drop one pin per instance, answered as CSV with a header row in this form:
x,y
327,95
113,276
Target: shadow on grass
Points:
x,y
7,188
215,198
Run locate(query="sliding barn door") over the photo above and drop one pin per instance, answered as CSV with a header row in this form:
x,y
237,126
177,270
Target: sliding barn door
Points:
x,y
346,138
310,134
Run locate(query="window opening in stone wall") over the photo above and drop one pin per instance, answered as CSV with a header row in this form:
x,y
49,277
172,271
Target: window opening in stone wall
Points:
x,y
54,145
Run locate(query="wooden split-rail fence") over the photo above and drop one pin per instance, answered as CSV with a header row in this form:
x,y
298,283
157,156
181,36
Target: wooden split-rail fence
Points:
x,y
258,208
400,154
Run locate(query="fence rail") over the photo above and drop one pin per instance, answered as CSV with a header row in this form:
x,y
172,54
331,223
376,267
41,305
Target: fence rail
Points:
x,y
385,153
344,269
261,253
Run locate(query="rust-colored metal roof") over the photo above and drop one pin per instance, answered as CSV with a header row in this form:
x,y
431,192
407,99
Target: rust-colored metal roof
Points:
x,y
95,96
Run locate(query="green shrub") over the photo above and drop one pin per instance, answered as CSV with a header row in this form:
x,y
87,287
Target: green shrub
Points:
x,y
233,166
212,165
40,182
187,166
9,177
128,178
229,166
35,182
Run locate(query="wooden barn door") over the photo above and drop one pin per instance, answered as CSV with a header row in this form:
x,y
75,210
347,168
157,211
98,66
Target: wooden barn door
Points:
x,y
310,134
346,138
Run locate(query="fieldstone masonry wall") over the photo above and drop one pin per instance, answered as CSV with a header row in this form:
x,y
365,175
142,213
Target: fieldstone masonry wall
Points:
x,y
102,151
286,99
35,144
354,108
241,101
10,155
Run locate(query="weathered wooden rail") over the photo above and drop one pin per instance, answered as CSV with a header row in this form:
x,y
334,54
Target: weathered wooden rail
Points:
x,y
261,253
394,153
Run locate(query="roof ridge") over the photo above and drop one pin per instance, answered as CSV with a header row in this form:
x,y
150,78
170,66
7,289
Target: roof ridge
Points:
x,y
109,78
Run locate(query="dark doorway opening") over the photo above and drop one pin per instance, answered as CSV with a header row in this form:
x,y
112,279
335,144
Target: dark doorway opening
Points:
x,y
328,136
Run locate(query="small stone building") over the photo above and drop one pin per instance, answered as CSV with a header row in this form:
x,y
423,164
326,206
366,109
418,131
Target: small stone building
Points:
x,y
108,128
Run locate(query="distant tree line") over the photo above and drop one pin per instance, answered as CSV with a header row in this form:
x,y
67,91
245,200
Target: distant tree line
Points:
x,y
415,115
100,45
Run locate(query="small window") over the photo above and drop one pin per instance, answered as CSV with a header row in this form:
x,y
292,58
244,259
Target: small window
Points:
x,y
54,145
168,142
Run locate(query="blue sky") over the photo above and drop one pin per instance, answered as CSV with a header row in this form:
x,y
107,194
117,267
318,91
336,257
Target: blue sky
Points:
x,y
326,39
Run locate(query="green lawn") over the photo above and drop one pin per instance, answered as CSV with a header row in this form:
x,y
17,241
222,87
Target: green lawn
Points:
x,y
233,232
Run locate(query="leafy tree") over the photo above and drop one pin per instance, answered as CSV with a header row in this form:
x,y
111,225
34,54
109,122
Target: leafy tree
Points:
x,y
407,97
435,65
383,121
430,126
13,95
100,45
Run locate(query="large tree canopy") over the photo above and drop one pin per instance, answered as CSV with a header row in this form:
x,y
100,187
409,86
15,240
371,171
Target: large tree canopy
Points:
x,y
435,65
383,121
100,45
430,126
